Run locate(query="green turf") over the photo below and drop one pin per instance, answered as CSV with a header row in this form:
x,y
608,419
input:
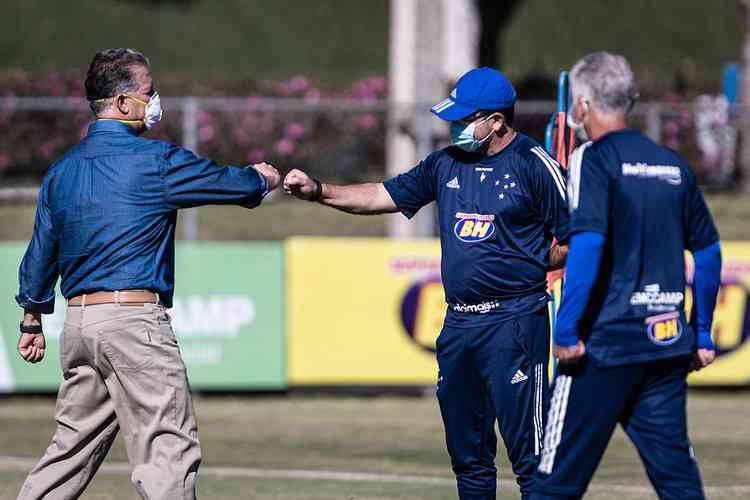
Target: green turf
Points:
x,y
117,487
382,435
285,217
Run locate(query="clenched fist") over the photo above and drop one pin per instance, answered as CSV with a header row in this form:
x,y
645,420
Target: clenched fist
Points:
x,y
270,173
702,358
31,347
301,185
572,354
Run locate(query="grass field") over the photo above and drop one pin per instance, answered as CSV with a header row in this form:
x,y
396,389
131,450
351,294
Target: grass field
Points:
x,y
315,447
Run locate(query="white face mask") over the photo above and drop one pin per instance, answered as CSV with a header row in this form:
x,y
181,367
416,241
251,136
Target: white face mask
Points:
x,y
153,112
575,126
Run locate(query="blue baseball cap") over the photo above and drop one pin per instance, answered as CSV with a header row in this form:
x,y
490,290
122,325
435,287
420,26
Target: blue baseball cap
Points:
x,y
479,88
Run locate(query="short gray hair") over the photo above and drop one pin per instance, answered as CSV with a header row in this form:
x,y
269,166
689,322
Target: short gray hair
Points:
x,y
111,73
606,80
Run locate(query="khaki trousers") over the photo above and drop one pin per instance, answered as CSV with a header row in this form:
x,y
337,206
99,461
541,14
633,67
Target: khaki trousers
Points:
x,y
121,369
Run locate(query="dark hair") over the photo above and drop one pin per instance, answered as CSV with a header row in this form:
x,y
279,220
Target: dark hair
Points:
x,y
110,73
508,113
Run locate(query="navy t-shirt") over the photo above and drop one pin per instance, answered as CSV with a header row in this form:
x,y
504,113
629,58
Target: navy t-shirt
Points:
x,y
498,215
645,200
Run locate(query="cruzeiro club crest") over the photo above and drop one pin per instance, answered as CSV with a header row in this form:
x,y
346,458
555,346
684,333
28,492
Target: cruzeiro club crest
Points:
x,y
472,228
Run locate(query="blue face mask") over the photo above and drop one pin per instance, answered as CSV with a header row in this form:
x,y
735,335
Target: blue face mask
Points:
x,y
463,135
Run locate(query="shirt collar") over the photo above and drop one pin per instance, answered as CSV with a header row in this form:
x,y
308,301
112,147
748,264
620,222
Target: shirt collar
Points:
x,y
104,125
619,131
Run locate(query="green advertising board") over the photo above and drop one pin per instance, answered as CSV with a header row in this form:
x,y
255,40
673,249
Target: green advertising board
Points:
x,y
228,316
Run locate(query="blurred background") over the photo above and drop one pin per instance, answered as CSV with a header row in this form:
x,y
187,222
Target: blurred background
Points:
x,y
293,299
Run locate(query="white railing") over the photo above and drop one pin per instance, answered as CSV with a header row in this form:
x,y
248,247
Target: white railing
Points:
x,y
649,114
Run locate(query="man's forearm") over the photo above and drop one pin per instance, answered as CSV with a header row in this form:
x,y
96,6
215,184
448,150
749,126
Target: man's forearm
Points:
x,y
362,199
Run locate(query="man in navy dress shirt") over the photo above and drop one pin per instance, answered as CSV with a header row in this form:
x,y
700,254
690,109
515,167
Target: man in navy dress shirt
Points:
x,y
105,225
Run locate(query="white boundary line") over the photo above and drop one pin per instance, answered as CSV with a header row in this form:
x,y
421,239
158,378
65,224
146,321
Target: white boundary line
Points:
x,y
20,463
6,374
23,464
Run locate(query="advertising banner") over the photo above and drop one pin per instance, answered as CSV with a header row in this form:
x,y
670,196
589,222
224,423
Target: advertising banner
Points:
x,y
228,316
731,326
367,311
363,311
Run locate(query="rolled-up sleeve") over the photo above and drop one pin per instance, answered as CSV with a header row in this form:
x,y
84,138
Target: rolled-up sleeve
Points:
x,y
191,181
39,268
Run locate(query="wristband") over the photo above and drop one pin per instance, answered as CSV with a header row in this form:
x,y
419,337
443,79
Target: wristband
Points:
x,y
317,193
30,328
704,340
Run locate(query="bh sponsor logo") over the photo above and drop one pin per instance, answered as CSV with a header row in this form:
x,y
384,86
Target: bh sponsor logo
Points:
x,y
473,228
664,329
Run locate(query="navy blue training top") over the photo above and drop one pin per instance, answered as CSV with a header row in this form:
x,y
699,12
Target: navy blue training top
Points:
x,y
498,215
645,200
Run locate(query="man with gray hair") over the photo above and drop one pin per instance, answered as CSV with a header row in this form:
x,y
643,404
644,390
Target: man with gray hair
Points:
x,y
105,224
623,339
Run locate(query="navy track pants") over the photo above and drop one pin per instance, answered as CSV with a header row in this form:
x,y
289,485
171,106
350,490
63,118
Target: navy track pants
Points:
x,y
487,373
647,399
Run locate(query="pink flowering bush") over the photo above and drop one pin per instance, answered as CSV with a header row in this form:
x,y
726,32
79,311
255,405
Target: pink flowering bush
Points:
x,y
339,145
344,145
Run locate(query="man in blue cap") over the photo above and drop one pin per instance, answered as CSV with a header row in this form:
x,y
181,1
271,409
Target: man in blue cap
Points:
x,y
501,201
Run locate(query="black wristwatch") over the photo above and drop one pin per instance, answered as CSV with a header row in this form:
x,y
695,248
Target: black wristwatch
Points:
x,y
31,328
317,194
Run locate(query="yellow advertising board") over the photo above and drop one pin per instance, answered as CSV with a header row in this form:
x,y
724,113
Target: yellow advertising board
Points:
x,y
731,326
363,311
367,312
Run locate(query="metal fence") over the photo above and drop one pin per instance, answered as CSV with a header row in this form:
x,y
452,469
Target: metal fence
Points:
x,y
338,139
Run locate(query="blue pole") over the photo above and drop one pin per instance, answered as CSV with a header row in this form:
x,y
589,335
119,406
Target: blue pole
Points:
x,y
562,108
562,92
548,136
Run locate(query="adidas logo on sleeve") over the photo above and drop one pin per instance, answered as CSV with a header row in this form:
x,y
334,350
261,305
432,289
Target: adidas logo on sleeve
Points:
x,y
453,183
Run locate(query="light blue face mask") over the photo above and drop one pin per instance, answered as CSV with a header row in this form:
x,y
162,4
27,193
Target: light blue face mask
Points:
x,y
463,135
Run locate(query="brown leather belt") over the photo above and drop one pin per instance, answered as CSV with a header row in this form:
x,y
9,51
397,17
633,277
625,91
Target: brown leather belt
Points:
x,y
130,297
